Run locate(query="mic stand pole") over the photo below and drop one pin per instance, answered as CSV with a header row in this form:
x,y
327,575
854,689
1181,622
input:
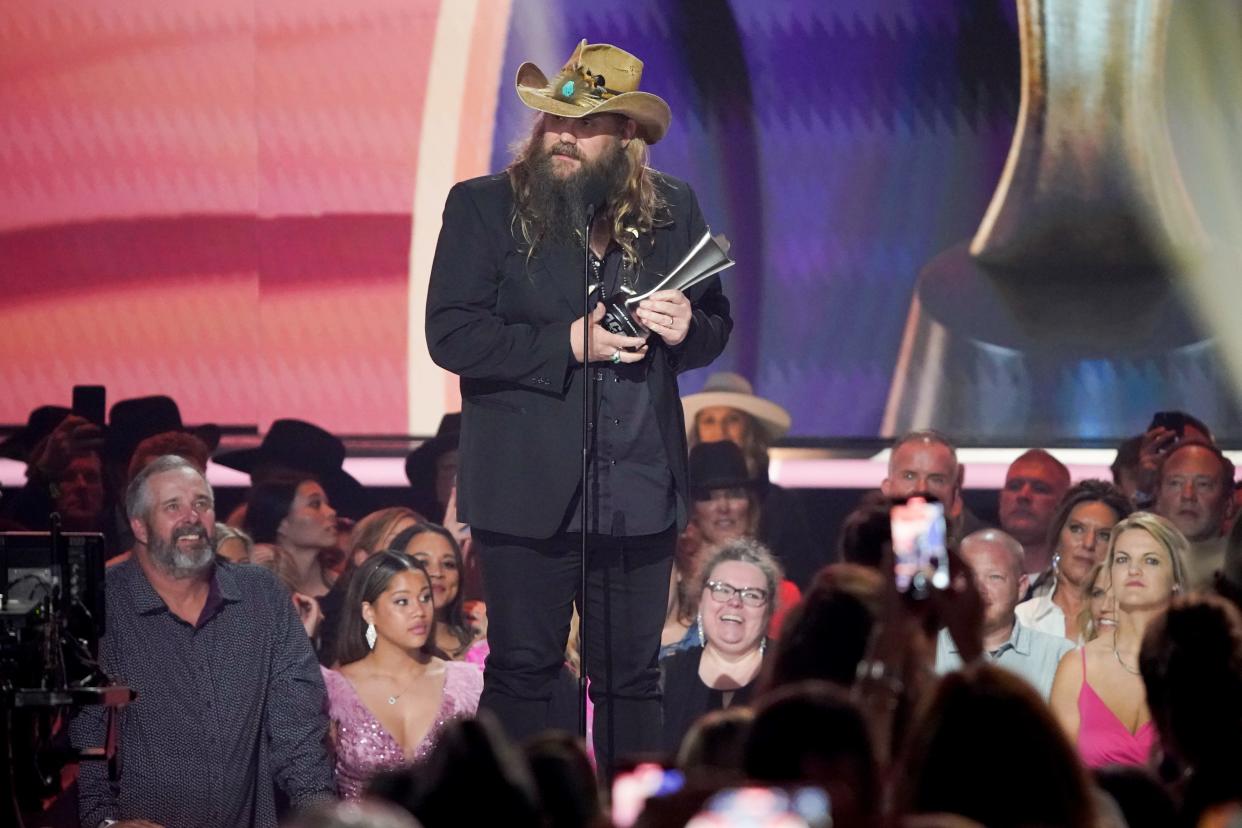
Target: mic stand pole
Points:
x,y
586,443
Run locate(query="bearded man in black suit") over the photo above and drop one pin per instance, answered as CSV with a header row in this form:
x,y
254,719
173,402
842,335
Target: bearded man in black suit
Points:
x,y
504,312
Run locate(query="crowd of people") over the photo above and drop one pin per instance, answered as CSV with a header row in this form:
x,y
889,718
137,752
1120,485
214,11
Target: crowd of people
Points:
x,y
1096,647
314,660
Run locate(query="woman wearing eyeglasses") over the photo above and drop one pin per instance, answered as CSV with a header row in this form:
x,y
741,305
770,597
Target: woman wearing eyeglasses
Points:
x,y
736,601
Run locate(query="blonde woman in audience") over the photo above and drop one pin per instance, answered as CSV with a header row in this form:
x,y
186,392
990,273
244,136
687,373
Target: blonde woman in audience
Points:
x,y
1098,693
1099,613
233,544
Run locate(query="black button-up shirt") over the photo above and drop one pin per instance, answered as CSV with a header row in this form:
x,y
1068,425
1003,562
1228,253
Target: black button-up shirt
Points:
x,y
631,482
227,709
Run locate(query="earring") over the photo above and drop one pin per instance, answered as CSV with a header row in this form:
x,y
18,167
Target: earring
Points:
x,y
370,636
1056,562
763,646
699,623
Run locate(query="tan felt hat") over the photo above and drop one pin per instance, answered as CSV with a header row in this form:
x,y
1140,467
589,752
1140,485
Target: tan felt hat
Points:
x,y
725,388
597,79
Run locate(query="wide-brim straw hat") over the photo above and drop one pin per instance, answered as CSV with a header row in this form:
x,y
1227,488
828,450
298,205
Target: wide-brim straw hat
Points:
x,y
598,78
726,388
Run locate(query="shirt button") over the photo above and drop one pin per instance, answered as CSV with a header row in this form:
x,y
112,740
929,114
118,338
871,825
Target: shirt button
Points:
x,y
616,421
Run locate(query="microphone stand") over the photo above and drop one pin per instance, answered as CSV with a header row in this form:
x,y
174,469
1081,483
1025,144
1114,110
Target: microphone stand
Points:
x,y
586,443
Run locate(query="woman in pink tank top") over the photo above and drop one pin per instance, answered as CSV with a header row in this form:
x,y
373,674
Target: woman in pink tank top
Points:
x,y
1098,694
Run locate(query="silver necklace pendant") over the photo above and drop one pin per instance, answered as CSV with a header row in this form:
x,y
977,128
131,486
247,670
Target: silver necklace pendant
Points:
x,y
392,699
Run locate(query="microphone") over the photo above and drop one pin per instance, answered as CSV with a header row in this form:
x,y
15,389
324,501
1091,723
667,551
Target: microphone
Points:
x,y
594,196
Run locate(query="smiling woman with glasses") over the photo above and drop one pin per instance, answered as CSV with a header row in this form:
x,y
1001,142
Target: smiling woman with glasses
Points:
x,y
736,601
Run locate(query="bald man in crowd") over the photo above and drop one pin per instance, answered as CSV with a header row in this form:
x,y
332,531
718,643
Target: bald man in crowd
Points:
x,y
1034,485
996,561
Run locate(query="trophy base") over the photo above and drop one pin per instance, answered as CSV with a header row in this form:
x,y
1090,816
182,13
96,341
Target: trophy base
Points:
x,y
1018,359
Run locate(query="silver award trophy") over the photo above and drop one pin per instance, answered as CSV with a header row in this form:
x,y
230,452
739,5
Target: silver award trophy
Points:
x,y
707,258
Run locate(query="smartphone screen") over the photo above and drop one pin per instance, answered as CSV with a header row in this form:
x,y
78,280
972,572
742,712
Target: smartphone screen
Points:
x,y
89,403
920,560
631,790
765,808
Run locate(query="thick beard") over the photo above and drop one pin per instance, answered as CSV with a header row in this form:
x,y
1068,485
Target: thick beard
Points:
x,y
169,557
557,206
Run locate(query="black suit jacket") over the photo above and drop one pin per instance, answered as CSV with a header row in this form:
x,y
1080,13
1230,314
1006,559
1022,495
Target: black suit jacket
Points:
x,y
501,323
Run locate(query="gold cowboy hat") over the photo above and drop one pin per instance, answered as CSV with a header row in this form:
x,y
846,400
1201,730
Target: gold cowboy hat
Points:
x,y
597,78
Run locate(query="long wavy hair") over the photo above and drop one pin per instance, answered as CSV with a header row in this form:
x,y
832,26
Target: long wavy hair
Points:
x,y
366,586
451,614
632,211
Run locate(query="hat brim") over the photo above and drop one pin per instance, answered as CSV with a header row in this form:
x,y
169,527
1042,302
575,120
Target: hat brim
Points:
x,y
344,490
244,460
773,419
420,464
649,111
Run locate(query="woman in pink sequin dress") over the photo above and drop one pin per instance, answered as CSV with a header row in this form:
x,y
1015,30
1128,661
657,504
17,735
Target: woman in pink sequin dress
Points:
x,y
392,695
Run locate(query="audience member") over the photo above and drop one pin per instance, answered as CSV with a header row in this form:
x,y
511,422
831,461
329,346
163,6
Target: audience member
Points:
x,y
982,732
181,443
200,748
132,421
728,409
726,507
64,474
1099,613
1194,490
372,534
300,448
866,531
1143,802
41,422
472,777
290,515
233,545
1035,483
713,750
1079,535
1166,432
436,549
811,733
1125,466
565,781
826,635
925,463
432,469
995,559
1097,694
392,695
737,594
1191,661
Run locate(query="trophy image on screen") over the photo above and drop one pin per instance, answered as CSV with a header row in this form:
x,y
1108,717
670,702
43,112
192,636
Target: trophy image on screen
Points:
x,y
707,258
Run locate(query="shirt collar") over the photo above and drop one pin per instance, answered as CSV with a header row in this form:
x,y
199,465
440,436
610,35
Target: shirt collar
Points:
x,y
1019,640
222,589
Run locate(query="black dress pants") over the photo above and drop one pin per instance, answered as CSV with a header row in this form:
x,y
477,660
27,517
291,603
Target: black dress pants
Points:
x,y
532,586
